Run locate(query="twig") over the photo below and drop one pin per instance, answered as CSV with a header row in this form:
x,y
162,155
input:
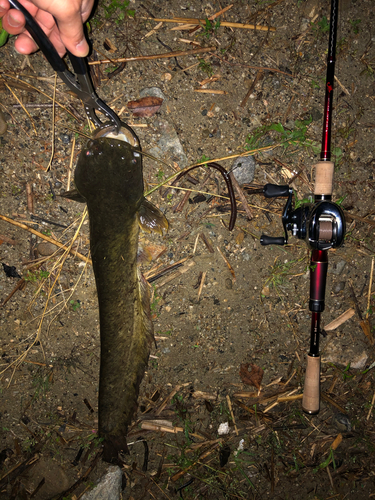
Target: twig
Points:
x,y
180,205
365,325
211,91
227,263
19,285
206,242
257,79
232,414
371,407
30,197
340,320
241,196
8,240
369,288
201,284
167,55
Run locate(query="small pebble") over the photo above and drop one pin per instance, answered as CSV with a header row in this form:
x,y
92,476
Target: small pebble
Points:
x,y
228,284
339,286
45,248
65,138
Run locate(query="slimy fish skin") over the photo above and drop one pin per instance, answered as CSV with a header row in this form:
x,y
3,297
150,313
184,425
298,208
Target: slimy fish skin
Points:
x,y
110,179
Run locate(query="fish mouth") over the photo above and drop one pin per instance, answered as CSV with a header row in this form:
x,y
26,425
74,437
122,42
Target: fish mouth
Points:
x,y
125,134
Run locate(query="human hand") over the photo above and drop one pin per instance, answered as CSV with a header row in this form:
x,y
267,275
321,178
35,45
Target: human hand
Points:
x,y
69,14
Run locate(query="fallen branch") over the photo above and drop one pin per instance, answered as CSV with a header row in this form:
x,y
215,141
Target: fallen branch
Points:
x,y
202,22
166,55
241,196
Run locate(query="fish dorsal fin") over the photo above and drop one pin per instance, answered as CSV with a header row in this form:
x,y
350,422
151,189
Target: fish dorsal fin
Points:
x,y
74,195
151,219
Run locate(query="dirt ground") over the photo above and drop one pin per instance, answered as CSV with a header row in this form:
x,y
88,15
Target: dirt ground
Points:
x,y
231,301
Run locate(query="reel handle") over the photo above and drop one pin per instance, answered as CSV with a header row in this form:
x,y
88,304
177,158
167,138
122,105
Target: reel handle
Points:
x,y
311,393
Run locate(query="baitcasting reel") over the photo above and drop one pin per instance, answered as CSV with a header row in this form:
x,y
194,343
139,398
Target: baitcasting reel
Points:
x,y
320,224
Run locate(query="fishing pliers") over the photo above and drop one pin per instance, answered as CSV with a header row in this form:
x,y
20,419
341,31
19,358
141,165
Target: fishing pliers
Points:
x,y
80,83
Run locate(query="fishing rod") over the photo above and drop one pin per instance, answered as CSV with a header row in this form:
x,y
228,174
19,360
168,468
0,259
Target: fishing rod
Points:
x,y
321,224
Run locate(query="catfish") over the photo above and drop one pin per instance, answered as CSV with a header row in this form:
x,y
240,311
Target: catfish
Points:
x,y
109,177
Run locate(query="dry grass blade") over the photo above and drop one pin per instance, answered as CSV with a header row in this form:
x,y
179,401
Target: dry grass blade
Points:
x,y
45,237
202,22
43,93
53,126
21,104
16,363
203,163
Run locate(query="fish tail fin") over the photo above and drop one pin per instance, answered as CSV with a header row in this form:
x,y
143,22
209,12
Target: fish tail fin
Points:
x,y
151,219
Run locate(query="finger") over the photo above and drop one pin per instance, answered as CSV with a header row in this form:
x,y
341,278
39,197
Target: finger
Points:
x,y
4,7
25,44
71,28
73,37
14,22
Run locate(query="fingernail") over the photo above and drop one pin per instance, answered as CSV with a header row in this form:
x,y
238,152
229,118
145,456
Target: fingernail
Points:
x,y
13,22
82,48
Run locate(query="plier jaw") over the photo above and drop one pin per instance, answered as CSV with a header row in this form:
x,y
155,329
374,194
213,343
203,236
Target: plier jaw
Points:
x,y
80,82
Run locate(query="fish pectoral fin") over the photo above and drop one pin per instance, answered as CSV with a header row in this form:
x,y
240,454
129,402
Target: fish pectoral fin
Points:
x,y
151,219
74,195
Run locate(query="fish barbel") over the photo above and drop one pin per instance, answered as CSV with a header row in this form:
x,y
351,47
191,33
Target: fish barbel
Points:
x,y
109,176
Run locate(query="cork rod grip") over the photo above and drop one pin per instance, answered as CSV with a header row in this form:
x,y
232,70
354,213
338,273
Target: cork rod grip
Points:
x,y
324,178
311,393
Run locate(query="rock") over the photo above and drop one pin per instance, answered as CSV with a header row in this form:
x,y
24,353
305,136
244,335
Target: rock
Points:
x,y
338,267
46,248
243,169
169,145
344,355
153,92
109,486
341,422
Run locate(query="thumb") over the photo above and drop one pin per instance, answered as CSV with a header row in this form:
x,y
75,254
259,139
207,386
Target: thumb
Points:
x,y
73,37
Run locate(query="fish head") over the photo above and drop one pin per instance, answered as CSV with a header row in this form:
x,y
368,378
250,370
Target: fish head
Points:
x,y
110,167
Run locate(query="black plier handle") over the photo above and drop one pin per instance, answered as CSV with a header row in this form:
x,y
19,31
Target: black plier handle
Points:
x,y
80,83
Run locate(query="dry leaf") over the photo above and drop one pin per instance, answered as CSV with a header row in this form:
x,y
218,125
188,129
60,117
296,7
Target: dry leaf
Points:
x,y
146,106
254,377
108,45
239,238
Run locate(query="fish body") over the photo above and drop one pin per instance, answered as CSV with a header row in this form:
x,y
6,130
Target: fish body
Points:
x,y
109,176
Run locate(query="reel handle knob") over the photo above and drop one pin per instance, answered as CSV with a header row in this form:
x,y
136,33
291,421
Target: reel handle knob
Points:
x,y
272,240
274,190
